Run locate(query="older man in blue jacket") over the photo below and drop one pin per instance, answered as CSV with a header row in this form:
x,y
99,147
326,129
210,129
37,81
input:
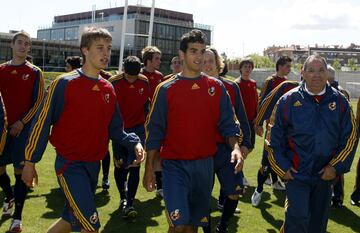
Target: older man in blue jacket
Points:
x,y
313,138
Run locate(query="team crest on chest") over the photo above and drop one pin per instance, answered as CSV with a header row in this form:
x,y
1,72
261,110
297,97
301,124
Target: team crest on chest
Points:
x,y
141,91
107,98
13,72
211,91
332,106
25,77
175,215
94,218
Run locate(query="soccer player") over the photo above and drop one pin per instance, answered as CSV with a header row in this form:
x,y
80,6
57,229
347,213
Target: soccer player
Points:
x,y
73,63
249,93
231,184
82,109
338,189
335,84
133,95
283,68
151,57
22,89
187,112
176,67
312,138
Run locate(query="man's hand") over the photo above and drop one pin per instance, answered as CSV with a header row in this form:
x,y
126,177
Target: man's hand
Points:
x,y
244,151
140,155
15,129
29,174
237,157
288,176
259,130
149,180
118,162
328,173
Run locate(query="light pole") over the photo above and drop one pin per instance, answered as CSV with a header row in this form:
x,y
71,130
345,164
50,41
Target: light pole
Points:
x,y
43,55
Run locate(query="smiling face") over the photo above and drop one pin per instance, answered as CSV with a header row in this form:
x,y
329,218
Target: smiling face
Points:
x,y
98,54
21,47
154,63
315,75
193,58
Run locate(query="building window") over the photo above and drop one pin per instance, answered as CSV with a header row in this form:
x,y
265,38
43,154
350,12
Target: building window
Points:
x,y
71,33
57,34
44,34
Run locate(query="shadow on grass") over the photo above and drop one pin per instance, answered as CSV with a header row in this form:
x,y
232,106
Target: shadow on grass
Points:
x,y
146,211
233,224
280,198
265,206
102,198
346,217
54,202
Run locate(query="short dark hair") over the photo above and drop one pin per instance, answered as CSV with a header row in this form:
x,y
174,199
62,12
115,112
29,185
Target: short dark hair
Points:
x,y
246,61
21,33
148,53
282,61
314,57
194,36
91,34
132,65
74,62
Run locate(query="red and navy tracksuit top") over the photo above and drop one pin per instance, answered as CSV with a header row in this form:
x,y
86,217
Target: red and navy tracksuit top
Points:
x,y
269,85
269,102
133,99
308,135
240,112
84,114
185,116
22,90
154,79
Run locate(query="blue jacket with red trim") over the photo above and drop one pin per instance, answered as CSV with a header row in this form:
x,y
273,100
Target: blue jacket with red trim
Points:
x,y
185,116
308,135
84,114
270,84
268,104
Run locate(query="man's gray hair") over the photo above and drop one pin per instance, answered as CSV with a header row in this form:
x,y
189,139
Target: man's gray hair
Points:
x,y
314,57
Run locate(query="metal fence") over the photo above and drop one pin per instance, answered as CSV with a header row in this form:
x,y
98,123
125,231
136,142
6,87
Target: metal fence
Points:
x,y
348,80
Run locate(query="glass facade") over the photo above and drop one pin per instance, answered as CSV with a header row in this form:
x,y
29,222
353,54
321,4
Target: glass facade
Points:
x,y
167,31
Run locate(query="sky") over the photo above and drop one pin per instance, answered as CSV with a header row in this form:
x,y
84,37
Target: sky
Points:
x,y
241,27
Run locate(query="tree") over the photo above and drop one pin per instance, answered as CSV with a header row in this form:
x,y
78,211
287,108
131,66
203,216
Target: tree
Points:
x,y
261,61
336,64
352,64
